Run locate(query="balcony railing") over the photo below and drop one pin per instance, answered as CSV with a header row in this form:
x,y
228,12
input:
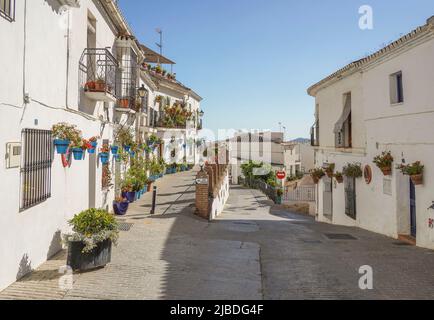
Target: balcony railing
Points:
x,y
98,69
126,79
314,135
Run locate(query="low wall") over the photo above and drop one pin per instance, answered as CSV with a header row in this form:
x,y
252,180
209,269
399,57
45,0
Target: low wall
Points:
x,y
212,190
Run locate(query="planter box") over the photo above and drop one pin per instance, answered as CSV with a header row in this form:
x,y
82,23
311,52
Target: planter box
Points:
x,y
97,258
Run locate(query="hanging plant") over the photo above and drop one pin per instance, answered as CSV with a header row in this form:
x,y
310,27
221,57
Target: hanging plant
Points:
x,y
339,177
414,170
316,174
330,169
384,162
64,134
353,170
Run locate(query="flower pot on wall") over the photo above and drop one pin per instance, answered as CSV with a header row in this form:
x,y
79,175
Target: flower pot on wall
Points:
x,y
104,157
78,153
124,103
387,171
417,179
115,150
61,146
97,258
100,86
127,148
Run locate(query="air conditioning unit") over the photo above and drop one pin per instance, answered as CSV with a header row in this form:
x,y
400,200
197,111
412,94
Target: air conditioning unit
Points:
x,y
70,3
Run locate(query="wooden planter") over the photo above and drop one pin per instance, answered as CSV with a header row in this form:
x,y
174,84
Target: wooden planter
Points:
x,y
417,179
387,171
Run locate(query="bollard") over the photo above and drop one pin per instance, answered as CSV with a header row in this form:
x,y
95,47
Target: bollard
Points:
x,y
154,200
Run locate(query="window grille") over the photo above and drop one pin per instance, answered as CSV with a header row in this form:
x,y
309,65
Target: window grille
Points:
x,y
36,167
7,9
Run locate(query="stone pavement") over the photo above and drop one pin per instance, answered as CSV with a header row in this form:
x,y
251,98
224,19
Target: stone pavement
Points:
x,y
254,250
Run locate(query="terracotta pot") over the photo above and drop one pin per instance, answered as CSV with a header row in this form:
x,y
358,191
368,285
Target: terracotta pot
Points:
x,y
124,103
100,86
89,86
387,171
329,174
417,179
315,180
340,179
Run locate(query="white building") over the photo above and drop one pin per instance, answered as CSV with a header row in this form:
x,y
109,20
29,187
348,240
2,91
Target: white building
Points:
x,y
383,102
51,51
298,157
255,146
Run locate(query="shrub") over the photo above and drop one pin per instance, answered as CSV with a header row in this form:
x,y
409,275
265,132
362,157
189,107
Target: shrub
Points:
x,y
93,226
384,160
411,169
353,170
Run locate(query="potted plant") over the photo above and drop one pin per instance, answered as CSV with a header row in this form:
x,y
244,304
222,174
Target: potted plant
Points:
x,y
77,148
384,162
100,85
158,69
104,154
63,134
353,170
414,170
90,245
339,177
89,86
114,149
317,174
94,144
329,170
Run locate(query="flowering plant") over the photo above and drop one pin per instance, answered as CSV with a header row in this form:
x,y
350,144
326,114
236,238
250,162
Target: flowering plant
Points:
x,y
384,160
411,169
104,149
94,139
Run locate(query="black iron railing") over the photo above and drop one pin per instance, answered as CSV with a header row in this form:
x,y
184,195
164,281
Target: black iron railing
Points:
x,y
269,191
127,79
98,69
7,9
36,167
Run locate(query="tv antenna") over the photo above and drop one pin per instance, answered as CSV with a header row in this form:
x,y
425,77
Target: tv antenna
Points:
x,y
160,45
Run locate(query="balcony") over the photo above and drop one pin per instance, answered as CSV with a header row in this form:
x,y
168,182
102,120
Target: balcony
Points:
x,y
98,70
314,135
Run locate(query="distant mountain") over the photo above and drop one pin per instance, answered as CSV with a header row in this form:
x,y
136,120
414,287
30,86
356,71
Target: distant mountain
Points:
x,y
300,140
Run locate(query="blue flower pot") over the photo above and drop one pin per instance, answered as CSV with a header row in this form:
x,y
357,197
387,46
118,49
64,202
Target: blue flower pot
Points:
x,y
120,208
132,154
117,157
124,195
115,150
127,148
91,151
131,197
104,157
78,154
61,146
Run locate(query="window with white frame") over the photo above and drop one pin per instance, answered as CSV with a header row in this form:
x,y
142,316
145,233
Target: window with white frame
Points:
x,y
7,9
396,88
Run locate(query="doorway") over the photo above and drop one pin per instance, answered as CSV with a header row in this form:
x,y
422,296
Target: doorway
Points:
x,y
350,197
328,197
413,220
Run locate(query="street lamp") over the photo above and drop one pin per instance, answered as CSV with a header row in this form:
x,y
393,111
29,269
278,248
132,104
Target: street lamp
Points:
x,y
201,113
142,91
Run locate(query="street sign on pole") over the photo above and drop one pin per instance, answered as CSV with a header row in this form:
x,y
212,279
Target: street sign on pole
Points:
x,y
281,175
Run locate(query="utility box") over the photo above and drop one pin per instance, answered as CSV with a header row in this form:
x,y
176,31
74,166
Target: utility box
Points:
x,y
13,155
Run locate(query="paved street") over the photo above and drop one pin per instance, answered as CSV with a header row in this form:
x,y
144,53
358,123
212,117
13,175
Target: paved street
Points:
x,y
253,251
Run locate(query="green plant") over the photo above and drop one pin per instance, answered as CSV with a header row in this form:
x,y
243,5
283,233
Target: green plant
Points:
x,y
124,136
279,192
65,131
93,226
412,169
385,160
317,173
330,169
338,175
353,170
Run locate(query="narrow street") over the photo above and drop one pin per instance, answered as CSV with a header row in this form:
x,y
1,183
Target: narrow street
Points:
x,y
253,251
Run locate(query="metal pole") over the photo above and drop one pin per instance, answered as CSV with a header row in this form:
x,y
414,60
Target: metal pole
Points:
x,y
154,200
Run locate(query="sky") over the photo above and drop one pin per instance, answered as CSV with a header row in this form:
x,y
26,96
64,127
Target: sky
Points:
x,y
253,60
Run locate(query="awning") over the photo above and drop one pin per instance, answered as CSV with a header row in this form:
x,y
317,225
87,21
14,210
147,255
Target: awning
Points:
x,y
345,114
154,57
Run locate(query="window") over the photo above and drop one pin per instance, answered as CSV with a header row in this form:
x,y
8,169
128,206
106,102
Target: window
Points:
x,y
7,9
36,167
396,88
343,128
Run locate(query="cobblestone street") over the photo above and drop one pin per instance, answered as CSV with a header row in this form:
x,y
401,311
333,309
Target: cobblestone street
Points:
x,y
253,251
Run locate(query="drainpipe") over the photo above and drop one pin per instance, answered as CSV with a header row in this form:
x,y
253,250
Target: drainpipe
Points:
x,y
68,49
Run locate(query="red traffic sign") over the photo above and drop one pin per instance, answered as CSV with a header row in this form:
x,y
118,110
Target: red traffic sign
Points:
x,y
281,175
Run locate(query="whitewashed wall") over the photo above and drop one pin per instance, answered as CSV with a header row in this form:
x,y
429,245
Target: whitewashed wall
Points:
x,y
28,238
